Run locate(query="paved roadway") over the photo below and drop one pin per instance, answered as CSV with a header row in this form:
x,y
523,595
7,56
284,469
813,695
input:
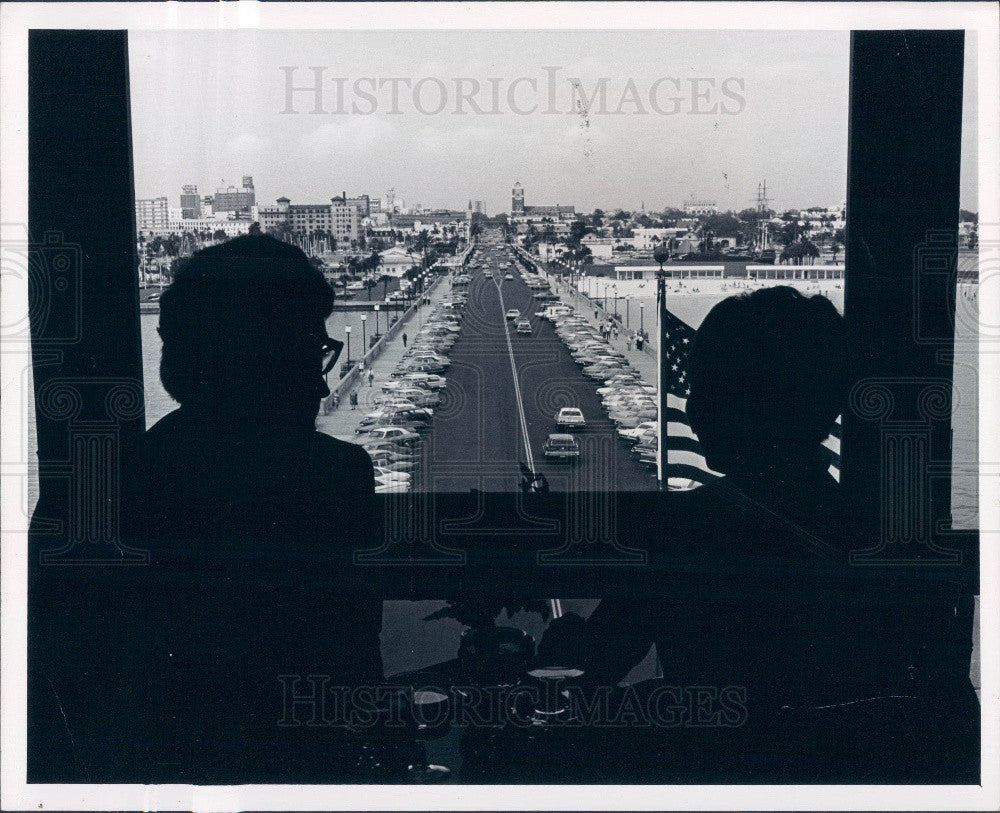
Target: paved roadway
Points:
x,y
477,437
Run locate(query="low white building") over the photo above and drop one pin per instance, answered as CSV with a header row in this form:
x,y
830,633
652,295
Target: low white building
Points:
x,y
647,239
396,261
601,248
231,228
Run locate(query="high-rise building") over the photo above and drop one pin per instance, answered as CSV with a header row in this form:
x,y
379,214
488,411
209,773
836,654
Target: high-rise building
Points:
x,y
233,199
151,214
190,202
517,200
362,203
523,215
337,218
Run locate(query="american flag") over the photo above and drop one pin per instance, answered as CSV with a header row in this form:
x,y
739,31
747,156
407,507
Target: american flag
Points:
x,y
683,465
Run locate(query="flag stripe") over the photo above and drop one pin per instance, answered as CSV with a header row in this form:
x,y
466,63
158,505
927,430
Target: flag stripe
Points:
x,y
684,464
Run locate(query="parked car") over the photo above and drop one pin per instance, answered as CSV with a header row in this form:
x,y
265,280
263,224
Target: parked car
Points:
x,y
397,434
635,433
561,447
386,474
570,418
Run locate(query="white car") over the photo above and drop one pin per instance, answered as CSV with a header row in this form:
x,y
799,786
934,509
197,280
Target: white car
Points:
x,y
390,486
513,313
431,380
570,418
386,475
637,432
397,434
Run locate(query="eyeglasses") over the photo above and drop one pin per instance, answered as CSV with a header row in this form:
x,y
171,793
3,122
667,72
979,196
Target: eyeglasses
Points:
x,y
331,350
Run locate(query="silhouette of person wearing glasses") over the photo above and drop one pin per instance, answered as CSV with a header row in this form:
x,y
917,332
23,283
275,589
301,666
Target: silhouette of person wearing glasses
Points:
x,y
252,518
744,565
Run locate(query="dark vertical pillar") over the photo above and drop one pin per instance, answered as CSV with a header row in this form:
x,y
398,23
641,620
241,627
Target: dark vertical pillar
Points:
x,y
902,225
83,291
84,309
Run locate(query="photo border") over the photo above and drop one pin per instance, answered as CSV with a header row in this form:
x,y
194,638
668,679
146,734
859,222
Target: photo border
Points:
x,y
15,21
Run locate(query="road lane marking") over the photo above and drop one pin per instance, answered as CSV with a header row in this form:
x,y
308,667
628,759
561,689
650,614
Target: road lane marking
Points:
x,y
517,385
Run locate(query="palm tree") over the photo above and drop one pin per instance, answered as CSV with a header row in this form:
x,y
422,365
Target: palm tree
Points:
x,y
420,243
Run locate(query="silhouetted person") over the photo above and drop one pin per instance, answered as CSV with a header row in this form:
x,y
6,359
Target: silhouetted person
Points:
x,y
253,519
753,569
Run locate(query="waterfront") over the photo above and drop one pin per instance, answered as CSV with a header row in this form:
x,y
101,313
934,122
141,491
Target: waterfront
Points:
x,y
691,300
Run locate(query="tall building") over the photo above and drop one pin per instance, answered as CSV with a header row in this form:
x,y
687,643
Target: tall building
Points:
x,y
190,202
338,218
517,200
233,199
362,203
151,214
518,209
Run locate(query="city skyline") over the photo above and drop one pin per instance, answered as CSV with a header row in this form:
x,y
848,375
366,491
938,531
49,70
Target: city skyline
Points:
x,y
244,102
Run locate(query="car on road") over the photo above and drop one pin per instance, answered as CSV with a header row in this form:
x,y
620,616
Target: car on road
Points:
x,y
384,486
561,447
422,379
635,433
513,313
388,474
417,366
554,311
397,434
381,458
570,418
508,277
523,327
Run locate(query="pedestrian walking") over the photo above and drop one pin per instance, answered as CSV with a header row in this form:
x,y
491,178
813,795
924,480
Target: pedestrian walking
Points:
x,y
336,400
595,313
354,399
371,378
638,342
404,341
628,343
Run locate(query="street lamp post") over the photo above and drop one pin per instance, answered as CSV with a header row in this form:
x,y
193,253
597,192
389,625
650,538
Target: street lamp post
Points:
x,y
376,319
605,297
642,305
364,333
628,311
347,330
615,289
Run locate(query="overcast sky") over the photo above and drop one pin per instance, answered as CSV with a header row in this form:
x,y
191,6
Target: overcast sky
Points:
x,y
705,115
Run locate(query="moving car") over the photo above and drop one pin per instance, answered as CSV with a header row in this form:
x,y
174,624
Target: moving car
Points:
x,y
508,276
570,418
513,313
524,327
561,447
